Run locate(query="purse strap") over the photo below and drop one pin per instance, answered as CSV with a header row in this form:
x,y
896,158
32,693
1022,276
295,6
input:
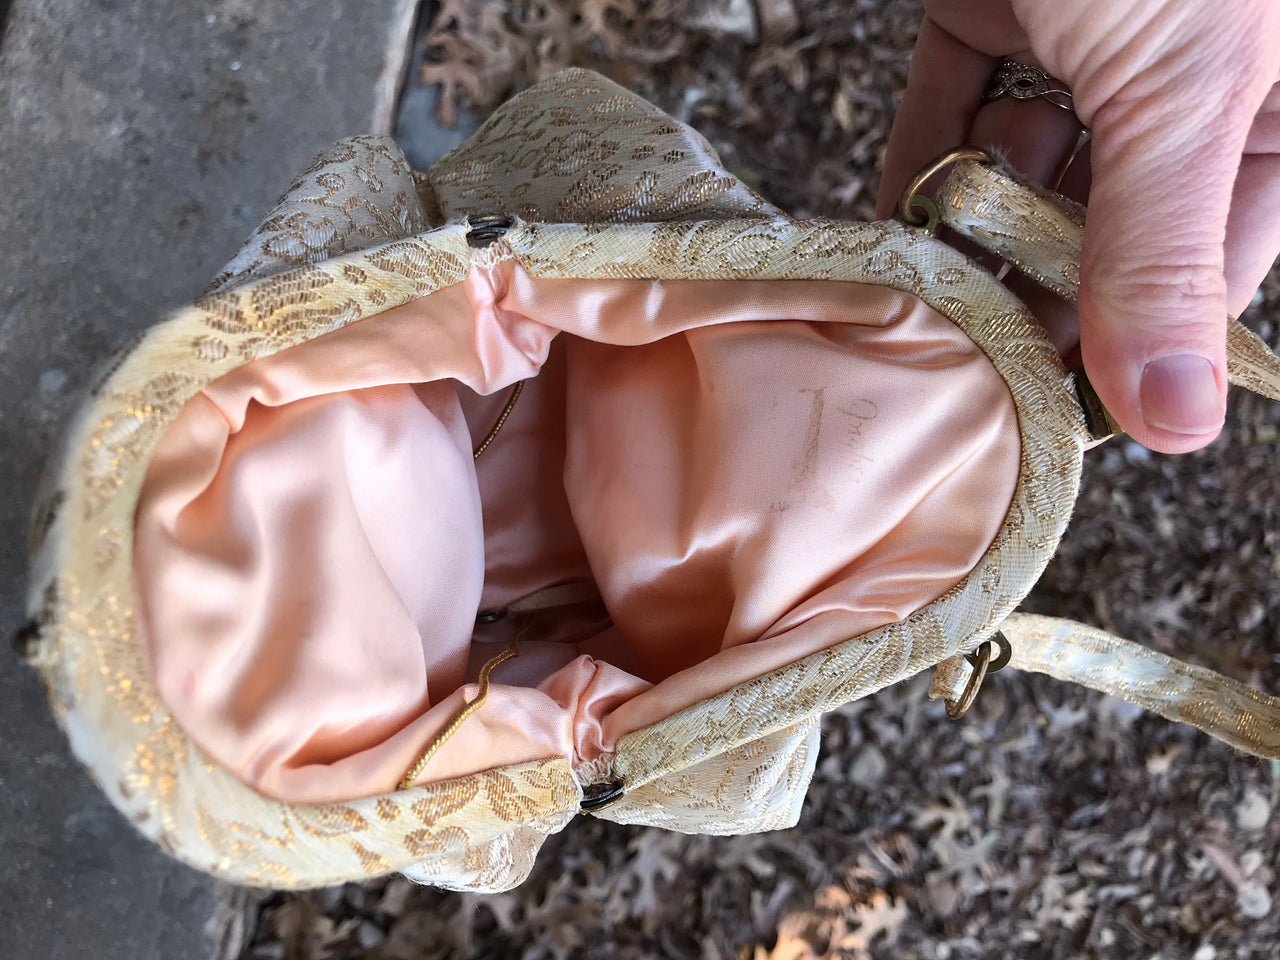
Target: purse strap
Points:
x,y
1041,234
1226,709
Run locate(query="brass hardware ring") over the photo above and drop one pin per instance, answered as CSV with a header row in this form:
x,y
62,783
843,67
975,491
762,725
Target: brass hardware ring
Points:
x,y
914,208
983,663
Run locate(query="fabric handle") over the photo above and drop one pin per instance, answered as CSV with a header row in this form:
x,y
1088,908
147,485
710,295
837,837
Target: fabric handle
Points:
x,y
1041,234
1226,709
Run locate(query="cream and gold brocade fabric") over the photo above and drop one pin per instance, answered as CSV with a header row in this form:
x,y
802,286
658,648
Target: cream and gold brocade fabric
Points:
x,y
619,189
578,148
1041,234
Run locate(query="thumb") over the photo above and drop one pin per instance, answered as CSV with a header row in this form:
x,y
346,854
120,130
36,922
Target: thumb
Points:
x,y
1153,297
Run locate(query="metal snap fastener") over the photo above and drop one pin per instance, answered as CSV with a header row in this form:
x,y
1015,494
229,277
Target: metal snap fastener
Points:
x,y
599,795
26,640
484,230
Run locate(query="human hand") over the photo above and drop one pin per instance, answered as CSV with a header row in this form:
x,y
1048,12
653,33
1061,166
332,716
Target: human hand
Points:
x,y
1182,176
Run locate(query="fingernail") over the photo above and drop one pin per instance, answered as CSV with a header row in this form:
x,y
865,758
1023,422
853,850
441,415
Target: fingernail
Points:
x,y
1180,394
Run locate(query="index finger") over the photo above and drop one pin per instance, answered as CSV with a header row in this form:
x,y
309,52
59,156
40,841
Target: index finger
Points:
x,y
944,91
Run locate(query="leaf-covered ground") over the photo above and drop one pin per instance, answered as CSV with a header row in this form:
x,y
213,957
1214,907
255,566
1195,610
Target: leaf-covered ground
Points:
x,y
1051,822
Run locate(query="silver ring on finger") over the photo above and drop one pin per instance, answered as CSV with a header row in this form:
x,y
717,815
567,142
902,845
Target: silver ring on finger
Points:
x,y
1021,81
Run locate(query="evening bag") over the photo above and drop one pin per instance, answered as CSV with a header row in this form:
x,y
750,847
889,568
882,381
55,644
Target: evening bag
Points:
x,y
570,475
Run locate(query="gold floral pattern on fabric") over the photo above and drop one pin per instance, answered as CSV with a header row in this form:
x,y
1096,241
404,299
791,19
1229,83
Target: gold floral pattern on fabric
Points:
x,y
1042,233
1250,362
578,148
1036,230
751,747
358,193
752,788
124,438
1223,708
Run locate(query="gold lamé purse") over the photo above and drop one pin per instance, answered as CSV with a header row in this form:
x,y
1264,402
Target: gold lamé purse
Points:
x,y
569,476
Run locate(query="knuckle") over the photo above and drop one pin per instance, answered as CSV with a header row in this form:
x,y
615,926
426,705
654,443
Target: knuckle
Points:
x,y
1183,301
1171,280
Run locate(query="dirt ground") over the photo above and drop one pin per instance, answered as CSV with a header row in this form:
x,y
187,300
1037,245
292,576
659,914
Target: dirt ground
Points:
x,y
1051,822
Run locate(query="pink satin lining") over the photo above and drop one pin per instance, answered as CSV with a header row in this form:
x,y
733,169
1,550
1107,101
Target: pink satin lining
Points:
x,y
748,472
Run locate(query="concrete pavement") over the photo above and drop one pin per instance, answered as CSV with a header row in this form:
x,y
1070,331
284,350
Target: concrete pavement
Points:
x,y
139,143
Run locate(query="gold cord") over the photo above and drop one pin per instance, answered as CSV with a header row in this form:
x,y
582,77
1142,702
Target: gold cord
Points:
x,y
482,684
502,418
482,694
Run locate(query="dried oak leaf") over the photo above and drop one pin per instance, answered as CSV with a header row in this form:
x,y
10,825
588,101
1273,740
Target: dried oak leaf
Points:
x,y
601,19
458,70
